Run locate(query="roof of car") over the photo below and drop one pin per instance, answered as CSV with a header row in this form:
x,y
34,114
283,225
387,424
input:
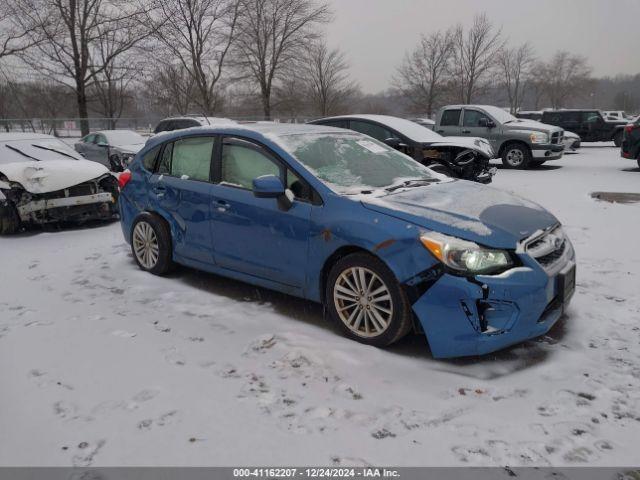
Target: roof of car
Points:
x,y
408,128
200,118
12,136
264,129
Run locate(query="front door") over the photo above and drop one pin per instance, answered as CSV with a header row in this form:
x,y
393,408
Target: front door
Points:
x,y
254,235
471,126
181,189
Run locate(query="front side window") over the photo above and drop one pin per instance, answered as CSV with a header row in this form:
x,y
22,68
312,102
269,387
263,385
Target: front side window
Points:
x,y
472,118
371,129
89,138
191,158
350,163
450,118
243,161
100,139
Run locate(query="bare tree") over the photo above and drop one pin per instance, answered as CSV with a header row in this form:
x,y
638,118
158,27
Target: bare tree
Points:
x,y
474,57
515,67
112,83
565,77
14,33
198,34
327,80
272,35
69,33
422,75
173,89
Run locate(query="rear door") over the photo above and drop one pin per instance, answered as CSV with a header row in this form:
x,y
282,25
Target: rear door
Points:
x,y
253,235
450,123
181,189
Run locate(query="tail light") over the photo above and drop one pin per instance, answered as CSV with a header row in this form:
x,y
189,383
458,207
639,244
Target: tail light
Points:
x,y
631,127
124,178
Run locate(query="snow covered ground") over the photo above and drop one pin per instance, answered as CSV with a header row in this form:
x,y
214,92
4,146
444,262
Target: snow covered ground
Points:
x,y
102,364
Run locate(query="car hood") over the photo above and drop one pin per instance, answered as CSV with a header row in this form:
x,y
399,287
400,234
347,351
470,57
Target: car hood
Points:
x,y
130,148
53,175
531,125
473,143
467,210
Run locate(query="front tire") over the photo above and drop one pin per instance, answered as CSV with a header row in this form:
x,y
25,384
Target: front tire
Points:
x,y
151,244
516,155
366,302
9,219
617,139
115,164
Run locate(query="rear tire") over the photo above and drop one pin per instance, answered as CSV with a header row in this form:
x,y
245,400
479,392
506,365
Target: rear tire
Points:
x,y
366,302
516,155
617,139
9,219
151,244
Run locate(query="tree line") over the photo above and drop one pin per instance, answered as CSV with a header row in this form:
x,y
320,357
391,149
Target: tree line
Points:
x,y
109,58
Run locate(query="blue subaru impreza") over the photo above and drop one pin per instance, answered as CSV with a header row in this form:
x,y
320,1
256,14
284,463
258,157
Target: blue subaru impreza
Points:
x,y
334,216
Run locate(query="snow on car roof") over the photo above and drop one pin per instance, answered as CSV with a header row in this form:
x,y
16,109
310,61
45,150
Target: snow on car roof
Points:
x,y
409,129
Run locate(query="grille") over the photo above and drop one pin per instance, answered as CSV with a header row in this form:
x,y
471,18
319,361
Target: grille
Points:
x,y
549,248
83,189
556,137
551,258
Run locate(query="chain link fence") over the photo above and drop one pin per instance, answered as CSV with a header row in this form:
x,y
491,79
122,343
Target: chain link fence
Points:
x,y
70,127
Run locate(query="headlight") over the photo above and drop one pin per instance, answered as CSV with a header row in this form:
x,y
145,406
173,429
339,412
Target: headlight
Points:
x,y
539,137
464,256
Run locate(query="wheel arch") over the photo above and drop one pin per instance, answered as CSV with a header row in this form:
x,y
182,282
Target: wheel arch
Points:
x,y
331,260
506,143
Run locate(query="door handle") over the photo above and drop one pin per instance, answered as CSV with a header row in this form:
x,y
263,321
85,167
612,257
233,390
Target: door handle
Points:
x,y
466,131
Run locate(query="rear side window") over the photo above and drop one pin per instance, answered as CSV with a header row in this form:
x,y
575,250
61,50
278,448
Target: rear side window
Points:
x,y
149,158
450,118
336,123
590,117
191,158
180,124
162,127
371,129
242,162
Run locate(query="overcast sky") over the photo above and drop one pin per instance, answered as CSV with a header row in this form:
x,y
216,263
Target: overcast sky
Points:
x,y
375,34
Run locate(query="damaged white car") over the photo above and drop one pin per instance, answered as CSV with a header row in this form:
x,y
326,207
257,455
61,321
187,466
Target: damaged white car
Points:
x,y
43,181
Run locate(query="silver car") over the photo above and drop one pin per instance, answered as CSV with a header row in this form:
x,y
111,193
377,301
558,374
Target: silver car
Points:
x,y
113,148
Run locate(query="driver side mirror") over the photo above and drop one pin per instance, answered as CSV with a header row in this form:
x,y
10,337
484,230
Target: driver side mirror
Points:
x,y
270,186
394,142
486,123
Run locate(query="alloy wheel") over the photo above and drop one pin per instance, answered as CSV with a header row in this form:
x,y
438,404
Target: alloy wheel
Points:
x,y
515,157
363,302
145,245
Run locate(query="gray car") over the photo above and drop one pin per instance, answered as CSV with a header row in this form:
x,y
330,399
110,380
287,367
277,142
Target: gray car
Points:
x,y
520,143
112,148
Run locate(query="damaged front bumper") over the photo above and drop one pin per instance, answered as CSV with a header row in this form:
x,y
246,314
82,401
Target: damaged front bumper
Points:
x,y
468,316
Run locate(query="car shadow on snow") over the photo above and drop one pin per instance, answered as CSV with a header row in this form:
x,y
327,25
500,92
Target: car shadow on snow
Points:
x,y
540,168
637,170
513,359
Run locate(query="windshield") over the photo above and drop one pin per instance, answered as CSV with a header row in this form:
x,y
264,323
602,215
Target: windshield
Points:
x,y
353,163
36,149
124,137
500,115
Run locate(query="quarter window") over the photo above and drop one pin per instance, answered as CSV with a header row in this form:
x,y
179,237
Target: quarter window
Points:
x,y
371,129
191,158
450,118
149,158
242,162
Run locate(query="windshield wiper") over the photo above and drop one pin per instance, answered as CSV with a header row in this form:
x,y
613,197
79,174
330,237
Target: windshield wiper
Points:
x,y
53,150
416,182
15,149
